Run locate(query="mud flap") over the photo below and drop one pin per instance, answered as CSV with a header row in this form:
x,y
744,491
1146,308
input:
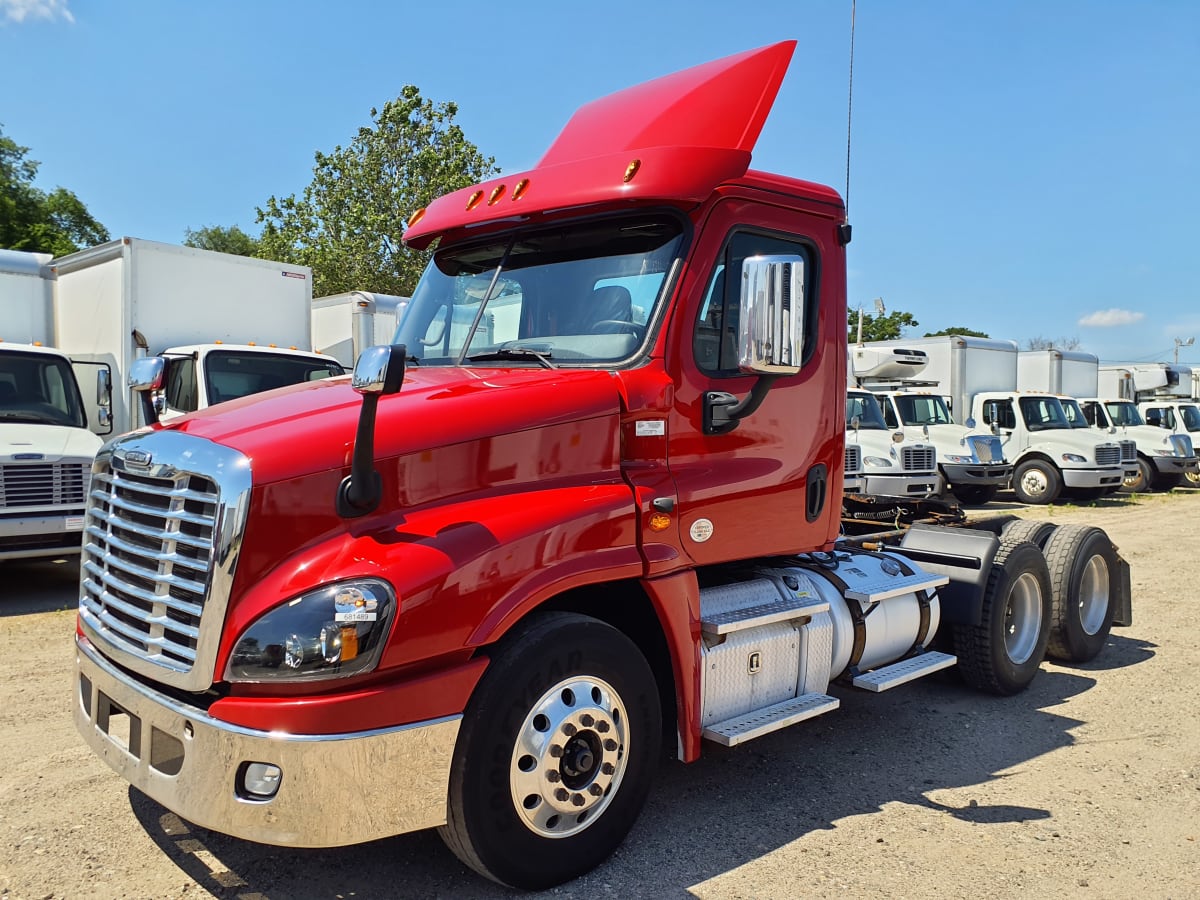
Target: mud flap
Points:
x,y
1123,611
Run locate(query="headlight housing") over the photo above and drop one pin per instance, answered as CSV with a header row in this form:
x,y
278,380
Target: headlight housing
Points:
x,y
878,462
960,459
1167,452
1074,457
332,632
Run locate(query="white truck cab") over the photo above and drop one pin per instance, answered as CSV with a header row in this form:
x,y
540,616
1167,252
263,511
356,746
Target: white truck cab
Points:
x,y
1179,418
1164,458
888,464
1048,455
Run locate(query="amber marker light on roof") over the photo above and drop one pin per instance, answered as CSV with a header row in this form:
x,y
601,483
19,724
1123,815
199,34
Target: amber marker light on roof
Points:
x,y
631,170
660,522
474,199
496,194
520,189
416,217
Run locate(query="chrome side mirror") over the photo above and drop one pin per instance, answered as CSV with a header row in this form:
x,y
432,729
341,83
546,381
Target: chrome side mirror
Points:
x,y
379,371
772,315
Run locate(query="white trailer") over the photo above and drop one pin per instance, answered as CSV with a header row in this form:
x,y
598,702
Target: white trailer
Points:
x,y
343,325
1070,373
1142,382
46,447
212,317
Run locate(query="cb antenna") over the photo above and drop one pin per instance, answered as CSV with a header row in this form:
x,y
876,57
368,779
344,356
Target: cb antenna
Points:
x,y
849,108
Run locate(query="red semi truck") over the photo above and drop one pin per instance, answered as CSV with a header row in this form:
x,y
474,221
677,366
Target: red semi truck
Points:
x,y
588,499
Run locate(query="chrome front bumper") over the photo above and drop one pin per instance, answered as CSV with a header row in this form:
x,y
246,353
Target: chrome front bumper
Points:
x,y
335,789
902,485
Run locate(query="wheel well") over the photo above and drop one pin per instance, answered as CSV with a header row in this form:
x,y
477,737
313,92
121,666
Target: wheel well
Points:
x,y
1032,456
625,606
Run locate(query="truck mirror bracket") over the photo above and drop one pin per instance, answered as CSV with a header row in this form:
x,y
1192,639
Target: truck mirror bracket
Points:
x,y
723,411
379,371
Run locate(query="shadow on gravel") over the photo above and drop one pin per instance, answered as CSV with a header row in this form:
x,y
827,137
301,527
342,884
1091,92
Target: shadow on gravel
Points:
x,y
730,808
1118,653
37,586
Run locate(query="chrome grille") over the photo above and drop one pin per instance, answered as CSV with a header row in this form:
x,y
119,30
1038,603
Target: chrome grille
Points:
x,y
917,459
43,484
1108,455
1128,451
1182,445
159,549
853,458
987,449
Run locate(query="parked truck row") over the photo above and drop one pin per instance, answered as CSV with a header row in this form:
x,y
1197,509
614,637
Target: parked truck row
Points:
x,y
586,502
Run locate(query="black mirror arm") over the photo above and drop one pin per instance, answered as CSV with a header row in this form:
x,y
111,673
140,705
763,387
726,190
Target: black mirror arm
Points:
x,y
723,411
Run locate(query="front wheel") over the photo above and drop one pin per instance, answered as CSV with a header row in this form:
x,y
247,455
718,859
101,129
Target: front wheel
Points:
x,y
1036,482
555,754
1193,477
974,494
1002,654
1140,482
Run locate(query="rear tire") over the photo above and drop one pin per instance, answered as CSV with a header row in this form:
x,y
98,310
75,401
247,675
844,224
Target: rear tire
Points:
x,y
974,494
1036,482
1083,567
1141,482
555,754
1019,530
1002,654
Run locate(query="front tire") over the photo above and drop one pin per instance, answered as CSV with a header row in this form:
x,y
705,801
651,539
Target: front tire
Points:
x,y
1036,482
1082,565
1193,478
1141,482
555,754
1002,654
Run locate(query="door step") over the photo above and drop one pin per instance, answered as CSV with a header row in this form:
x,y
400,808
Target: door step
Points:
x,y
754,724
762,614
902,672
866,590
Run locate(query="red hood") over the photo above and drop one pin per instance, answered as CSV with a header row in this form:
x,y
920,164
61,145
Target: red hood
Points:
x,y
688,132
310,428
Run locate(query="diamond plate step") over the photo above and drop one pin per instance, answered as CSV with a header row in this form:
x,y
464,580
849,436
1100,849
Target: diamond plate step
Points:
x,y
906,670
763,614
754,724
868,591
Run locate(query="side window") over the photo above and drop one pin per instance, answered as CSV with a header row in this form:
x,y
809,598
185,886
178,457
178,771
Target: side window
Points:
x,y
1091,411
889,412
180,383
1000,413
715,341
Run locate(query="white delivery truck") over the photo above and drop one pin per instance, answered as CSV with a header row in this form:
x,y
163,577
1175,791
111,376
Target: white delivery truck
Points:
x,y
1164,457
46,423
881,461
1178,419
225,326
343,325
971,463
978,377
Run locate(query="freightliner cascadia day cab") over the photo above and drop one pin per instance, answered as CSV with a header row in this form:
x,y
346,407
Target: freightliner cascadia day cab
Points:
x,y
48,424
222,326
473,587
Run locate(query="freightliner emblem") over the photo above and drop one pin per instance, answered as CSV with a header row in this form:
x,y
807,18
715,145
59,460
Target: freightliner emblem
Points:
x,y
137,457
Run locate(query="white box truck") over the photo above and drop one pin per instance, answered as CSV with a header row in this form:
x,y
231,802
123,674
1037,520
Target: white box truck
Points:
x,y
46,423
971,464
343,325
978,376
225,326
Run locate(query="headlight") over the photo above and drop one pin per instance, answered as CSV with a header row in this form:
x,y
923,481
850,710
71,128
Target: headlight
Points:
x,y
960,459
1165,452
331,632
1073,457
878,461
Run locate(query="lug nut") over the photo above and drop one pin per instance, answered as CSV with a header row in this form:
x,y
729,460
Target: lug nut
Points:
x,y
562,794
610,744
556,750
586,721
595,790
602,727
569,729
608,768
552,776
577,799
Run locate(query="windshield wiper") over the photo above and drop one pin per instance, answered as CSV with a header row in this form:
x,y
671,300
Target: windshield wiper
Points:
x,y
514,353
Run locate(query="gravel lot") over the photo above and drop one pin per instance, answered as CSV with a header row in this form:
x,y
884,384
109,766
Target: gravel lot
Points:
x,y
1087,785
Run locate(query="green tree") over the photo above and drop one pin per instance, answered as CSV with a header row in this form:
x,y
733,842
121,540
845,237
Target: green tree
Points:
x,y
965,332
881,327
37,222
347,224
223,240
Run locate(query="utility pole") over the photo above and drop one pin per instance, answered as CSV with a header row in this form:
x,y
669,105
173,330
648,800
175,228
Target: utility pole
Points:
x,y
1180,342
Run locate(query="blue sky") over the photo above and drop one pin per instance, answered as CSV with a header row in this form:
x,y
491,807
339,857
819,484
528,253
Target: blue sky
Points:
x,y
1023,168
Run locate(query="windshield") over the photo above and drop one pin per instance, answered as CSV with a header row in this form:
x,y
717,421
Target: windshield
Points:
x,y
922,410
232,373
1191,417
866,407
1075,416
37,387
1041,413
579,293
1124,413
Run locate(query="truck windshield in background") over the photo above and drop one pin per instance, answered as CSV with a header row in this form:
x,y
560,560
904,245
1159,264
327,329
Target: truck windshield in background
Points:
x,y
39,388
1124,413
920,409
866,407
231,374
574,294
1042,413
1074,414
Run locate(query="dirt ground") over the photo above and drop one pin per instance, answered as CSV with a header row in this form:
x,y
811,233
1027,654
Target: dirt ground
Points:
x,y
1086,785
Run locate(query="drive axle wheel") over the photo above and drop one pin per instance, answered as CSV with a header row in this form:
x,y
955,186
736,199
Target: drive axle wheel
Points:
x,y
1036,482
1003,652
1082,562
555,754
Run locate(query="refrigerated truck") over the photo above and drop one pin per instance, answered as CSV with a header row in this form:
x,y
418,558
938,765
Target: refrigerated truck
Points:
x,y
46,421
224,326
343,325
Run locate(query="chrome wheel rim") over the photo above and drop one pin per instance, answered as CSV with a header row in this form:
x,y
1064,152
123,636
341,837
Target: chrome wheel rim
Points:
x,y
1035,483
1022,618
1093,594
570,756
